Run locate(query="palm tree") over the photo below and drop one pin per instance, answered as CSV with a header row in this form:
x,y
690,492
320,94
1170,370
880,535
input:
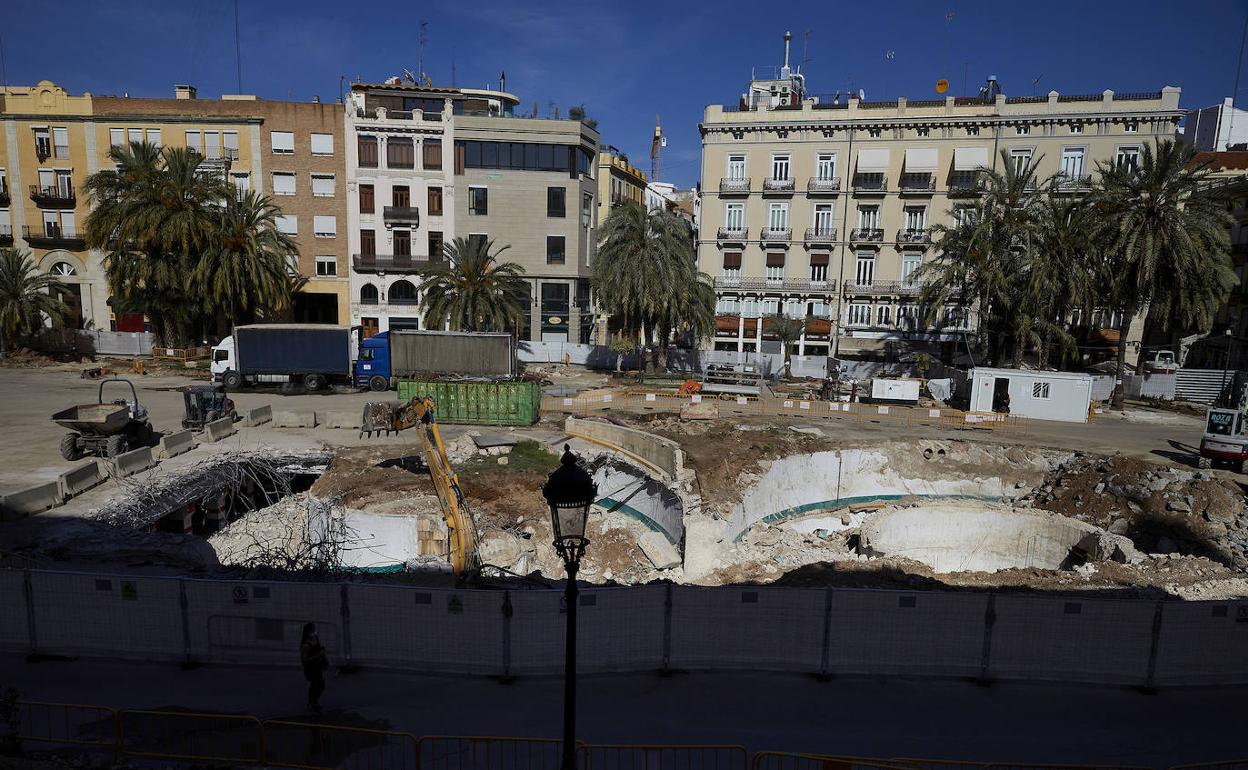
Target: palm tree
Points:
x,y
788,331
247,263
1163,229
1060,277
26,296
645,276
473,290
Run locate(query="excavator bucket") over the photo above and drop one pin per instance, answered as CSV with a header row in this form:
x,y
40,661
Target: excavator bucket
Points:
x,y
378,418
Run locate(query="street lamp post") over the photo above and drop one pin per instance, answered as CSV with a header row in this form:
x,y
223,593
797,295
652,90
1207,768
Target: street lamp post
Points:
x,y
1226,365
569,492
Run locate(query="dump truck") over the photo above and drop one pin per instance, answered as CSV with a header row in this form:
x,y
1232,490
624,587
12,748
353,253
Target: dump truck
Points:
x,y
390,356
312,355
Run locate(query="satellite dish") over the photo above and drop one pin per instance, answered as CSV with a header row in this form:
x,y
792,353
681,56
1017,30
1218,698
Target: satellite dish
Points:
x,y
942,86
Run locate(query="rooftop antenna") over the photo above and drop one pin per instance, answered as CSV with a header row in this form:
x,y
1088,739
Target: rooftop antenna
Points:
x,y
238,50
788,38
1035,83
422,37
805,48
452,73
1239,65
4,73
656,148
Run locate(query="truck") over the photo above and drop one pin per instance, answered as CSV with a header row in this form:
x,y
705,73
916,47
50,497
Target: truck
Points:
x,y
390,356
312,355
1224,442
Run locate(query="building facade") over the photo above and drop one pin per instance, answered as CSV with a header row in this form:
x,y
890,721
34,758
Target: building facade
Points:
x,y
291,151
822,208
619,182
1216,128
459,163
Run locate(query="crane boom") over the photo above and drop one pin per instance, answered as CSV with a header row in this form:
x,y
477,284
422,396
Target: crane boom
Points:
x,y
381,417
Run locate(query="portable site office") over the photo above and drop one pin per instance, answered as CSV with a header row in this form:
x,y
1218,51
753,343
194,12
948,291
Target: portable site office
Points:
x,y
1039,395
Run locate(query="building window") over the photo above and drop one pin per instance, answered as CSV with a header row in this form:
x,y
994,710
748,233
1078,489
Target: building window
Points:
x,y
367,147
283,142
368,243
117,137
43,144
732,266
587,210
60,143
195,142
135,135
212,145
1076,128
736,167
825,166
435,201
230,140
369,295
916,218
819,267
1040,390
326,266
242,183
325,226
1020,159
478,201
874,133
288,224
923,131
964,215
432,150
554,250
283,183
556,201
859,314
322,144
323,185
1072,162
1131,128
1022,130
771,307
884,315
401,196
824,219
1127,158
778,216
402,243
864,274
909,263
775,266
153,137
478,240
780,168
868,217
734,216
400,152
367,204
435,245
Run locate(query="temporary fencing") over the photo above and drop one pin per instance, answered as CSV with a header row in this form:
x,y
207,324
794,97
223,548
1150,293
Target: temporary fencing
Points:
x,y
67,724
895,415
189,736
310,746
821,631
659,757
445,752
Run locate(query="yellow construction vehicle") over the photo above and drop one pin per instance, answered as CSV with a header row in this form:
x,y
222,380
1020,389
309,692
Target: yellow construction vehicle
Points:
x,y
383,418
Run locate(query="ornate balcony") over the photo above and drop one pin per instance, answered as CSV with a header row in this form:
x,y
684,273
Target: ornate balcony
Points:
x,y
734,234
920,235
1073,184
814,185
53,196
779,186
870,184
6,235
917,183
400,215
777,235
762,284
729,186
867,234
388,263
821,235
54,236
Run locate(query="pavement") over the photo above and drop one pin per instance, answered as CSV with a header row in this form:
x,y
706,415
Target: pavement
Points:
x,y
938,719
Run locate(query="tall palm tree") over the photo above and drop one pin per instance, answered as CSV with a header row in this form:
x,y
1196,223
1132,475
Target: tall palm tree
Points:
x,y
645,276
788,331
1060,277
26,296
1163,229
473,290
245,266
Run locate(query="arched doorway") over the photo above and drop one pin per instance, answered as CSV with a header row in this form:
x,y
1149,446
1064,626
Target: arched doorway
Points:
x,y
70,293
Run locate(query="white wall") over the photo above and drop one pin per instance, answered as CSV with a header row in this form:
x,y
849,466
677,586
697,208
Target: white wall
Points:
x,y
1068,399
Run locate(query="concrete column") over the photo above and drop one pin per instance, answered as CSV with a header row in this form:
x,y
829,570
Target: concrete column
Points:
x,y
741,330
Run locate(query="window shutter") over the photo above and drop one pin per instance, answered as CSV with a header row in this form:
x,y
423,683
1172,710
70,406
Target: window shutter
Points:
x,y
732,260
323,225
288,224
323,186
283,141
366,199
368,151
433,154
283,184
819,258
322,144
775,259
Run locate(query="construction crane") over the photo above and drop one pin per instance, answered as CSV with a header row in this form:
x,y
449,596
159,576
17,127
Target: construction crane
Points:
x,y
656,147
382,418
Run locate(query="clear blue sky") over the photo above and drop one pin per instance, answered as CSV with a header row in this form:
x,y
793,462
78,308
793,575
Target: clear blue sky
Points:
x,y
628,61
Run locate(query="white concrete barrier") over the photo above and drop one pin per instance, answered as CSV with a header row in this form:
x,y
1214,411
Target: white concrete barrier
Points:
x,y
78,480
259,416
22,503
133,462
289,419
218,429
349,420
174,444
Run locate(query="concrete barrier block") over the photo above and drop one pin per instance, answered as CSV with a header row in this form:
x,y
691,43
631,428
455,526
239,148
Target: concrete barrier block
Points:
x,y
290,419
133,462
350,420
259,416
174,444
24,502
80,479
219,429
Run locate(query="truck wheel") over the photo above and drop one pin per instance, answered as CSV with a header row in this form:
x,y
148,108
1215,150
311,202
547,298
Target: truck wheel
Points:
x,y
377,383
232,380
116,445
313,381
69,447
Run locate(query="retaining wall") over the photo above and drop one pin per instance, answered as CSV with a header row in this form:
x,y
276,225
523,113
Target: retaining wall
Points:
x,y
630,491
661,454
174,444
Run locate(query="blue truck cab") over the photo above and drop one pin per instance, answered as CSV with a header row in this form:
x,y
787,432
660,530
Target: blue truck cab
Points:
x,y
372,368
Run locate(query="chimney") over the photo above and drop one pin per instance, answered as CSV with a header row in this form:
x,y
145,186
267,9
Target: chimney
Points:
x,y
184,92
316,100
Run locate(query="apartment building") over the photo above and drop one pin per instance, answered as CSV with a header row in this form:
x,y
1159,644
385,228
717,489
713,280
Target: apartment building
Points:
x,y
291,151
477,170
619,182
822,207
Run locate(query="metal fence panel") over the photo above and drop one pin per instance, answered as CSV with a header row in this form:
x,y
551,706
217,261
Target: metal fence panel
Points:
x,y
189,736
14,631
261,622
753,628
427,629
657,757
1086,640
617,630
121,616
1203,643
66,724
332,747
439,752
886,632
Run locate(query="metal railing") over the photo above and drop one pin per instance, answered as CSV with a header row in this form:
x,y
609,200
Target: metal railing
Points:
x,y
4,195
732,234
778,185
1068,183
819,185
60,235
765,284
870,182
730,186
869,234
919,235
6,233
52,195
400,214
820,234
917,182
875,287
388,263
777,234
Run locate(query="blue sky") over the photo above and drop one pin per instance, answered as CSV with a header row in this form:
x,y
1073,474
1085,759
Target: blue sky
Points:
x,y
629,61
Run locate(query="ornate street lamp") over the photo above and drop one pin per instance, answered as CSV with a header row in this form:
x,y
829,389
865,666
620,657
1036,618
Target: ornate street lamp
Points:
x,y
569,492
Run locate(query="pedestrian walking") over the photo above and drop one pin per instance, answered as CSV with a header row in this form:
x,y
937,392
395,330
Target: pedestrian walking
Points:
x,y
315,662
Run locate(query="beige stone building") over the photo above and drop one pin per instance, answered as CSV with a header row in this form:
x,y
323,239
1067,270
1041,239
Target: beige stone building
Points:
x,y
822,207
291,151
619,182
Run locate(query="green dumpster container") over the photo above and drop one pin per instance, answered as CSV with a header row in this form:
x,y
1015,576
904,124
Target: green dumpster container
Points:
x,y
479,403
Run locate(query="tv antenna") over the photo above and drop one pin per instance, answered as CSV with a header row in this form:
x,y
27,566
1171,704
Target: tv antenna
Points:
x,y
805,50
656,148
422,37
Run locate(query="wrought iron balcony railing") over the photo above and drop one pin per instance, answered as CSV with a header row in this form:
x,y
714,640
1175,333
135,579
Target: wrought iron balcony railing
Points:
x,y
828,185
820,234
868,234
730,186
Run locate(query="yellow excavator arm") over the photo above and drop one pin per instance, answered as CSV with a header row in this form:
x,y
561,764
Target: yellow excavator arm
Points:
x,y
383,418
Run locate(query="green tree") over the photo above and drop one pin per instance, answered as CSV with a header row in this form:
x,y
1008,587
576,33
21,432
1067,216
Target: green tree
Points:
x,y
473,290
621,346
1059,277
788,331
246,265
26,297
645,276
1163,230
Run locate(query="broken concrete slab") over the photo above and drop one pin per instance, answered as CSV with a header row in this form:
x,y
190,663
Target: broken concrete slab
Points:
x,y
706,410
494,439
659,550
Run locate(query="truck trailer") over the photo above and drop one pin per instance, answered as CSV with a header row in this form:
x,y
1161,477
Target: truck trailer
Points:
x,y
390,356
312,355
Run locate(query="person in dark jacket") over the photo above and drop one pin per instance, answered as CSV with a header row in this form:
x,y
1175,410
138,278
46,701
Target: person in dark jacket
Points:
x,y
315,662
